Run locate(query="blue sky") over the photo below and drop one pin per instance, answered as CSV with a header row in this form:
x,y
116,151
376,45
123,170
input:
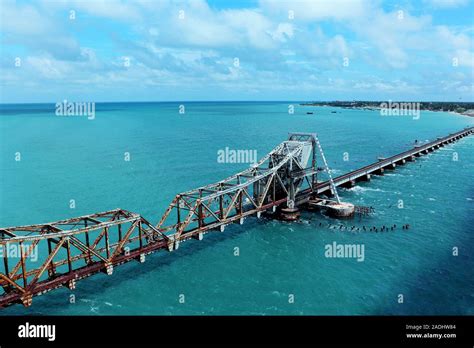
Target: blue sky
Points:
x,y
143,50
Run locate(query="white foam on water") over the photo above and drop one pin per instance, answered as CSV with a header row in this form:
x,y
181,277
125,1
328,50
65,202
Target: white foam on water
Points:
x,y
392,174
468,199
431,199
360,189
86,300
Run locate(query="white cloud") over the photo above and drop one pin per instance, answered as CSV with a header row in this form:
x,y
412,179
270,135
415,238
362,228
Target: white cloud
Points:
x,y
310,10
275,52
446,3
283,32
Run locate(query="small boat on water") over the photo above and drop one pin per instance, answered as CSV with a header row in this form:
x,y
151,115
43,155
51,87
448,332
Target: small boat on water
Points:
x,y
309,113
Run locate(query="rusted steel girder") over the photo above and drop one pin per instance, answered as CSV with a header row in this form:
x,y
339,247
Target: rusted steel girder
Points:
x,y
65,252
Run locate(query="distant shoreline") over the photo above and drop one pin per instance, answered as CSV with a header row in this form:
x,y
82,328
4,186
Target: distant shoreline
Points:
x,y
459,108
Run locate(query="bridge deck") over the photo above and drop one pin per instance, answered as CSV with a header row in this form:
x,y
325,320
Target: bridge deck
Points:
x,y
392,161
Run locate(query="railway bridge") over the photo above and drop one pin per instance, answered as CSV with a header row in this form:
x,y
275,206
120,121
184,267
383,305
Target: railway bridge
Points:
x,y
281,183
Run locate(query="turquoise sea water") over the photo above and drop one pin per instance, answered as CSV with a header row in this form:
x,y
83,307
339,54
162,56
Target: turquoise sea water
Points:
x,y
64,158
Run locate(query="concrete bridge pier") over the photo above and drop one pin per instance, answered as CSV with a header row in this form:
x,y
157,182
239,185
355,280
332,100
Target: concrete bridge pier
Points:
x,y
349,184
379,171
329,193
290,214
170,245
27,299
71,284
341,210
199,236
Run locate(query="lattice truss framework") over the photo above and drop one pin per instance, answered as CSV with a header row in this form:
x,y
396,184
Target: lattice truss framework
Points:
x,y
275,179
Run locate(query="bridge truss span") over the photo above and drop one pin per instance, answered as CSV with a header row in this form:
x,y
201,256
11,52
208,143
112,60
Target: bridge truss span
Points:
x,y
55,254
276,179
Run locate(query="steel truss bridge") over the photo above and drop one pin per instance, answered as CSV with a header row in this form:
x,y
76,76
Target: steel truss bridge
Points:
x,y
40,258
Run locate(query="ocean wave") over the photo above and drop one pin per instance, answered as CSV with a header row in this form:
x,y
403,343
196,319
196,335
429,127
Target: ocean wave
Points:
x,y
360,189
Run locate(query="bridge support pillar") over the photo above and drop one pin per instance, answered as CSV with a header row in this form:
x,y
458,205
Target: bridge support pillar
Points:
x,y
341,210
365,177
391,166
289,214
350,184
170,245
259,214
199,236
27,299
222,228
411,158
241,221
379,171
329,193
176,244
142,258
71,284
109,269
